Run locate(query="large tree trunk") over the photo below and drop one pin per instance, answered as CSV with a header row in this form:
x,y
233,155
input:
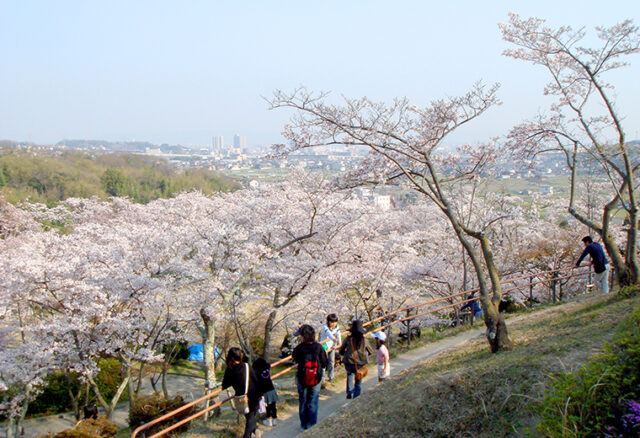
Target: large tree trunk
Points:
x,y
497,334
208,333
14,425
268,332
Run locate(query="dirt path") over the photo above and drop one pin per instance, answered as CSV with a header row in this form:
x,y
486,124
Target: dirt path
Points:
x,y
333,398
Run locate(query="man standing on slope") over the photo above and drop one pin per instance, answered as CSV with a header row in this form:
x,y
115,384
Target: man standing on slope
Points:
x,y
599,262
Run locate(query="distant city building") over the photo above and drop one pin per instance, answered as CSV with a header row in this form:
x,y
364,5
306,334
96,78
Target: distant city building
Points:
x,y
218,143
239,142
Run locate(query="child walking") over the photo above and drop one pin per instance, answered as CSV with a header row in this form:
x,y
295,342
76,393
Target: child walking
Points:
x,y
262,369
384,369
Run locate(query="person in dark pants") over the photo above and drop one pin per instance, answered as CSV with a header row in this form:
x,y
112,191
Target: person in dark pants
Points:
x,y
599,262
262,369
235,376
312,360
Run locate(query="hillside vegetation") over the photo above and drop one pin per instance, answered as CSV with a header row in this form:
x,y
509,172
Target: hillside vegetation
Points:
x,y
47,177
470,392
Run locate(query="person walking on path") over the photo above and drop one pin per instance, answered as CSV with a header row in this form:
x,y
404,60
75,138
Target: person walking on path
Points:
x,y
382,357
236,376
311,359
599,262
331,333
474,307
262,368
355,355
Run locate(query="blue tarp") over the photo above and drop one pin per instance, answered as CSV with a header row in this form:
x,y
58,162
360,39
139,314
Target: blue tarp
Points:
x,y
196,352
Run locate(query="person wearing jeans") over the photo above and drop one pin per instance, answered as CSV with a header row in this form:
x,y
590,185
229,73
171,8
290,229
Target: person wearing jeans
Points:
x,y
354,386
330,333
308,397
355,353
312,360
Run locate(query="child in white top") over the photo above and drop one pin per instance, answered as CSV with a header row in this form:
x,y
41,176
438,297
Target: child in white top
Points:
x,y
384,369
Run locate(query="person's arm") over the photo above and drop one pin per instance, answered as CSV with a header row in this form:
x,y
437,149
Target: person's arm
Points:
x,y
324,361
582,256
466,305
343,347
226,380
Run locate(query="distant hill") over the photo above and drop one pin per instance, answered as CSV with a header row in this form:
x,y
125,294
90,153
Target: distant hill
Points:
x,y
121,146
42,175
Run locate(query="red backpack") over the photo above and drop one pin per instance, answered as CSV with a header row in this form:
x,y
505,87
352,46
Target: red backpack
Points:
x,y
310,375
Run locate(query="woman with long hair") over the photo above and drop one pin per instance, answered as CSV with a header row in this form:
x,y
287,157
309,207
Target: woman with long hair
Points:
x,y
236,375
355,355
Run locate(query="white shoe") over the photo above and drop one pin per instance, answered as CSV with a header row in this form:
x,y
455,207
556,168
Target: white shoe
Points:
x,y
267,422
274,421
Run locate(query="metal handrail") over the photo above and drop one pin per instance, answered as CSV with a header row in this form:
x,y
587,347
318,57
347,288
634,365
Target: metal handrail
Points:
x,y
386,316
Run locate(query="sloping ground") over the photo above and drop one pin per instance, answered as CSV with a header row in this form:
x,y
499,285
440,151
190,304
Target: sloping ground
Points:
x,y
469,392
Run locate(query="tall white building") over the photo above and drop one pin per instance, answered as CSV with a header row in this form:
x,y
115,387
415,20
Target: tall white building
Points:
x,y
239,142
218,143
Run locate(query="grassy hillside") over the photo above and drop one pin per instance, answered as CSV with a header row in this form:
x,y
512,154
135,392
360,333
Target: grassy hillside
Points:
x,y
470,392
48,177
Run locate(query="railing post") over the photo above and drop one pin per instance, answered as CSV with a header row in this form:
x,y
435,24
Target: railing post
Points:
x,y
530,291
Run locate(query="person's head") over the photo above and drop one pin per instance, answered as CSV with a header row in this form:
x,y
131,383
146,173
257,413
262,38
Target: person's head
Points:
x,y
357,329
587,240
307,334
234,357
332,320
380,338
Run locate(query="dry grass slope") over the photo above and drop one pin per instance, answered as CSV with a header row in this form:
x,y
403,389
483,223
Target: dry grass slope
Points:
x,y
470,392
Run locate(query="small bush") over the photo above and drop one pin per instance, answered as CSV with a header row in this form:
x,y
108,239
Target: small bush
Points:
x,y
99,428
178,351
630,291
148,408
592,401
55,397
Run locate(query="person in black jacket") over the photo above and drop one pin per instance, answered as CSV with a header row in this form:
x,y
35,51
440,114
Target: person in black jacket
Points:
x,y
262,369
312,360
235,376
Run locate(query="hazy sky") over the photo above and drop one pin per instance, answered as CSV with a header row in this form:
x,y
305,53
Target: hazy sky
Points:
x,y
184,71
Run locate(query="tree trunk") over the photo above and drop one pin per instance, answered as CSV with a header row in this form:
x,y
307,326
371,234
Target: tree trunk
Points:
x,y
268,331
208,333
14,425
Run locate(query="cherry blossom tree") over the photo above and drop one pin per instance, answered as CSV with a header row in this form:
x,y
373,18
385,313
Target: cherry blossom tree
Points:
x,y
404,141
584,123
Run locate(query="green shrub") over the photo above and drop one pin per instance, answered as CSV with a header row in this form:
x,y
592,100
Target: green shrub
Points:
x,y
55,397
630,291
176,352
148,408
591,401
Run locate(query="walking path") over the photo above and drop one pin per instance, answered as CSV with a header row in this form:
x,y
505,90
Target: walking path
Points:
x,y
333,398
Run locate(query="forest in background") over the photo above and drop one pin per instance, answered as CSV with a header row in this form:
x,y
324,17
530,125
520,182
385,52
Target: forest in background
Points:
x,y
49,177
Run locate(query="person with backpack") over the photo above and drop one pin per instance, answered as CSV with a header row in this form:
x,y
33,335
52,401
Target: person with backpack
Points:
x,y
262,369
241,377
311,359
330,333
355,356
